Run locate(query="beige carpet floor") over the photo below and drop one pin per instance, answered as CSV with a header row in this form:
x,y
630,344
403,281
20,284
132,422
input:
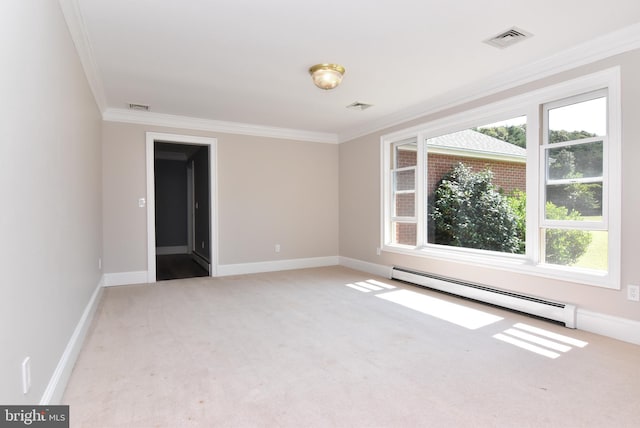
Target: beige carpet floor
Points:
x,y
333,347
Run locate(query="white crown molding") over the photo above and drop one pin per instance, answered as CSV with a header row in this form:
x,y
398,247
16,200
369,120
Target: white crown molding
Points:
x,y
603,47
192,123
78,31
611,44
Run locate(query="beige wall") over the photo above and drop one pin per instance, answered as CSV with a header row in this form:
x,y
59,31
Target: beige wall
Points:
x,y
269,191
50,172
360,205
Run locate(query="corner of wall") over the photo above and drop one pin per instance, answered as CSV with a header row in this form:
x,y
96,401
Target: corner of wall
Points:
x,y
58,382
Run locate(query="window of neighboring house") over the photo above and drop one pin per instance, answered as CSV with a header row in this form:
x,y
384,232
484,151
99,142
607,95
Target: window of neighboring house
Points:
x,y
529,184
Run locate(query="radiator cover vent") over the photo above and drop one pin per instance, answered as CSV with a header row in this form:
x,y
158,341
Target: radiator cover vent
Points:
x,y
557,311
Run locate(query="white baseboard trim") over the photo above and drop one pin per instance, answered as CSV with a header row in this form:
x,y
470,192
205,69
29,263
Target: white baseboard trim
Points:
x,y
125,278
55,389
372,268
607,325
276,265
177,249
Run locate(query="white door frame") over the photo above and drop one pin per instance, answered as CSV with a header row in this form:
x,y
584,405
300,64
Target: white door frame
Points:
x,y
152,138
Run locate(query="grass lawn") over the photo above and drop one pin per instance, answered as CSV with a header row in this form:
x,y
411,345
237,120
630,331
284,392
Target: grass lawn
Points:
x,y
596,255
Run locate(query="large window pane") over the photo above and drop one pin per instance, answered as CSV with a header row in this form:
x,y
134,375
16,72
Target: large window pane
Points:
x,y
578,120
540,192
476,182
577,161
574,181
577,201
578,248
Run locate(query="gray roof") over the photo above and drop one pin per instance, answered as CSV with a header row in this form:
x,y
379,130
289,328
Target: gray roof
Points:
x,y
474,141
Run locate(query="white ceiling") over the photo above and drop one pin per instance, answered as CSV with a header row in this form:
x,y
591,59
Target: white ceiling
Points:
x,y
246,61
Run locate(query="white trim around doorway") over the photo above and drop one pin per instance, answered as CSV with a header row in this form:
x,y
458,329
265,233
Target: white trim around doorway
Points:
x,y
151,138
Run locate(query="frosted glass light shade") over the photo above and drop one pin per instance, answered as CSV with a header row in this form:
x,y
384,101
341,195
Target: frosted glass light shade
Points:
x,y
326,76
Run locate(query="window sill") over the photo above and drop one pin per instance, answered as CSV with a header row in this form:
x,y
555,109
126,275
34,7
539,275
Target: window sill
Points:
x,y
510,263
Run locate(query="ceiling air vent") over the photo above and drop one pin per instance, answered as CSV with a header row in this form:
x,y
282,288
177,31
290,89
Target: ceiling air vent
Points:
x,y
508,38
359,106
141,107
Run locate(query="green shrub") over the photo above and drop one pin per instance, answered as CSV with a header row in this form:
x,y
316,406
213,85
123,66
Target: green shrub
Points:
x,y
468,211
518,203
564,247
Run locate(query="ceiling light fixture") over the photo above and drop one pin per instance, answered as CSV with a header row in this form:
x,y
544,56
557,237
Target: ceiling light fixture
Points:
x,y
326,76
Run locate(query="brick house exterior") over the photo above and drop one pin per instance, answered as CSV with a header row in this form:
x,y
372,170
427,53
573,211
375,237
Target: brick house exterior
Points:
x,y
474,149
507,176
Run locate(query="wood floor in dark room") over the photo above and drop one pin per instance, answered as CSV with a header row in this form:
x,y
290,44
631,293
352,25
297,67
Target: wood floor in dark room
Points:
x,y
177,266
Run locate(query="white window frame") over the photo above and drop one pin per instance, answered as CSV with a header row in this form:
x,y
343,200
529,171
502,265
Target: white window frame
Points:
x,y
415,219
530,105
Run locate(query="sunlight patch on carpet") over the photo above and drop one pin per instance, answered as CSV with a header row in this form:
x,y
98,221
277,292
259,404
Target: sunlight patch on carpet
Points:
x,y
370,285
526,345
551,335
380,284
538,340
442,309
359,288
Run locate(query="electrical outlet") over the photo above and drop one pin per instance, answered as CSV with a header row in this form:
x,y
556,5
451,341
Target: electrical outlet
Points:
x,y
26,375
378,251
277,248
633,293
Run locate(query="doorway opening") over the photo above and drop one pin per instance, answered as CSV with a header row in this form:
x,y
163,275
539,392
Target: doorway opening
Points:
x,y
181,207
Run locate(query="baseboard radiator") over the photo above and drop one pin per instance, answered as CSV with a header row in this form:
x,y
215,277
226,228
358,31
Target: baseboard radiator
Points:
x,y
560,312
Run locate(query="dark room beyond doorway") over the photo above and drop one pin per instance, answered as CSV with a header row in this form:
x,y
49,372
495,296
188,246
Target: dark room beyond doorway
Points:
x,y
182,210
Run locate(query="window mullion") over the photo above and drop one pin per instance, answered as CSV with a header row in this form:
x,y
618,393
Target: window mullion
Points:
x,y
421,208
534,185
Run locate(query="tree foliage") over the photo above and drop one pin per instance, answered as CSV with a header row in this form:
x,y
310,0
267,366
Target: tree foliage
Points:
x,y
564,247
582,197
514,134
518,202
468,211
559,136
